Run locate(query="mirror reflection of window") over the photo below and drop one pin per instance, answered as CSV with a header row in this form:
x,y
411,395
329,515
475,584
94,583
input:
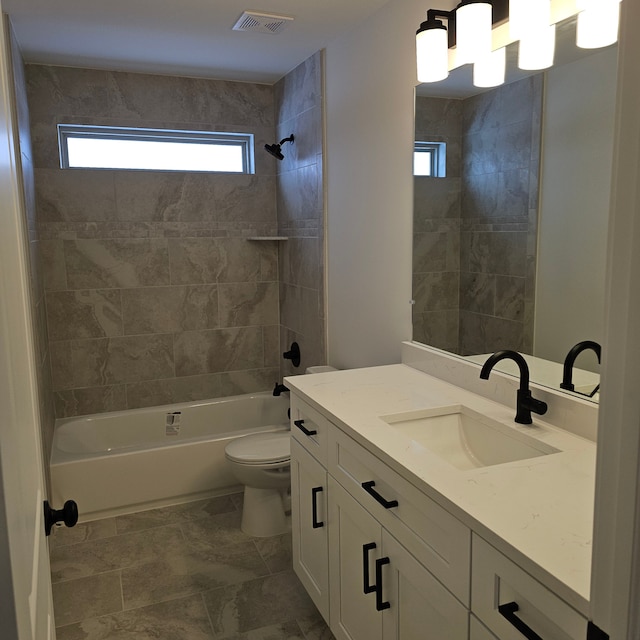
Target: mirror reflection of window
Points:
x,y
429,159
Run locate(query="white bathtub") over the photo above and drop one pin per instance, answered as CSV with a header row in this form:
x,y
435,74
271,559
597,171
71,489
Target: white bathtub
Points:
x,y
126,461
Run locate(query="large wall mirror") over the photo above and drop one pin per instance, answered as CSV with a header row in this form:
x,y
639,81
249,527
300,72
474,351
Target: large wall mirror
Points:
x,y
510,224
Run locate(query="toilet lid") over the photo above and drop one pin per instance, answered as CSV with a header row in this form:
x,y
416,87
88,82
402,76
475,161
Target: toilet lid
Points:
x,y
262,448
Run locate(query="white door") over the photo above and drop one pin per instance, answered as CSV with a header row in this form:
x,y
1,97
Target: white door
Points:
x,y
25,584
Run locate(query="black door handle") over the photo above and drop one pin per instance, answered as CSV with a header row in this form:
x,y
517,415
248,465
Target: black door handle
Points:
x,y
380,605
68,514
509,612
307,432
368,588
314,508
387,504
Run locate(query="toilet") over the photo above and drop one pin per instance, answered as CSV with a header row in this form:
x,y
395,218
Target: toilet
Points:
x,y
262,463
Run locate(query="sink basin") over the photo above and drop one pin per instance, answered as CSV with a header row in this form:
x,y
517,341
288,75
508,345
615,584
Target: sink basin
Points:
x,y
465,438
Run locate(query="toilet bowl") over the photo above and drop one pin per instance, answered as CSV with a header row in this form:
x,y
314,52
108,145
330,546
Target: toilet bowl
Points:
x,y
262,463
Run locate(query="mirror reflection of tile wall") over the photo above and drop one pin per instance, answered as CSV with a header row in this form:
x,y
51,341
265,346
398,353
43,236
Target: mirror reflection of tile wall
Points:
x,y
475,230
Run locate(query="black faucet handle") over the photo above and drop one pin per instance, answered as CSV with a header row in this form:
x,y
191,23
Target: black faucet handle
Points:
x,y
526,404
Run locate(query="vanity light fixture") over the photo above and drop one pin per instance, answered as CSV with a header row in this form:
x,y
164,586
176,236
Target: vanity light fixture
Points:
x,y
528,15
598,23
473,30
489,71
536,49
432,47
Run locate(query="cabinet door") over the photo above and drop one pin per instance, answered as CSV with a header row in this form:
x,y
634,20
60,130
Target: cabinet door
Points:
x,y
309,524
477,631
419,606
355,539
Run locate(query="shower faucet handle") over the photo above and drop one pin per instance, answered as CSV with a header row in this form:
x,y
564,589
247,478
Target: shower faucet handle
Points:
x,y
293,354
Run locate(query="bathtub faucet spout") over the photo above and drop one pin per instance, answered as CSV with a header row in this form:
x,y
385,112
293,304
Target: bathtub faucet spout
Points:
x,y
278,389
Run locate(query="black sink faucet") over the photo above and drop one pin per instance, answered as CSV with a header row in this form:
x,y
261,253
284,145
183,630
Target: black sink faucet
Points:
x,y
526,403
569,361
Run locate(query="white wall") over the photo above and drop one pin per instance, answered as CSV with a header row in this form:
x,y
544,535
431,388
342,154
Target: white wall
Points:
x,y
370,81
576,182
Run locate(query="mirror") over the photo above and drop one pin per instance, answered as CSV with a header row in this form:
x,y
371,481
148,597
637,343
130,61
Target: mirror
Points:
x,y
509,245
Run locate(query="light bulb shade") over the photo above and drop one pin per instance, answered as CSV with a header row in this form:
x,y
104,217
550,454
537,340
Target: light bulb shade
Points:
x,y
489,71
598,27
537,49
528,15
473,31
432,54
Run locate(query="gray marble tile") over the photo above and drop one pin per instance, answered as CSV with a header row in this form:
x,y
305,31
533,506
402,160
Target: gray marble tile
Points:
x,y
513,193
429,252
435,198
151,393
435,291
315,628
485,334
246,304
216,531
198,352
307,129
300,89
181,619
108,361
276,552
235,383
271,340
299,194
74,195
257,603
486,151
186,570
85,401
514,146
289,630
510,296
162,516
478,292
438,116
290,306
479,197
102,263
481,111
169,309
122,551
301,262
437,328
211,260
88,597
84,314
517,101
247,198
499,253
82,532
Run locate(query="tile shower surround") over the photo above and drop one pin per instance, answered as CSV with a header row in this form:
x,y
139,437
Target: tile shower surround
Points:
x,y
153,294
184,572
475,231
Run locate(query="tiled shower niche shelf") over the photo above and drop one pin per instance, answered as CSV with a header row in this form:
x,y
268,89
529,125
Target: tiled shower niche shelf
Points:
x,y
266,238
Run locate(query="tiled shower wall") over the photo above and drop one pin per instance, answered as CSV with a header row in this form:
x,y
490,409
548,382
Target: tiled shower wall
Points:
x,y
37,293
475,230
153,293
301,212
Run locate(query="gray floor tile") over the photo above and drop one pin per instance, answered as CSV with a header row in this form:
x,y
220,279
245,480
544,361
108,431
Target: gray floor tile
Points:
x,y
186,570
315,628
258,603
285,631
276,552
215,531
95,530
97,556
174,514
183,619
76,600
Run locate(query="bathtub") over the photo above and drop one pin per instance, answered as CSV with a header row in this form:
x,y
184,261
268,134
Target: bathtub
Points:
x,y
126,461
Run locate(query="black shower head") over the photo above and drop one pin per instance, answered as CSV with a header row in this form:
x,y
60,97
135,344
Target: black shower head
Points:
x,y
275,149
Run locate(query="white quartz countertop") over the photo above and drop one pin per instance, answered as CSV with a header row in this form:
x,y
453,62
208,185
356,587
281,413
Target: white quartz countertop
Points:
x,y
538,511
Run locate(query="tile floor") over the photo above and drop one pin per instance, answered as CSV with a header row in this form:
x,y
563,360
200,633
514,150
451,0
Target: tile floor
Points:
x,y
178,573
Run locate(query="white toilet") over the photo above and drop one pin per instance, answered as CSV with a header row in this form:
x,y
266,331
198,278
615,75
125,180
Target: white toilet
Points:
x,y
262,463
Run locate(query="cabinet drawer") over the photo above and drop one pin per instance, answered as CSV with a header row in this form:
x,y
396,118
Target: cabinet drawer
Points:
x,y
439,541
497,581
310,428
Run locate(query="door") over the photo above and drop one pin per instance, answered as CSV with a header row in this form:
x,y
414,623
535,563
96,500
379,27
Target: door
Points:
x,y
25,585
355,539
309,524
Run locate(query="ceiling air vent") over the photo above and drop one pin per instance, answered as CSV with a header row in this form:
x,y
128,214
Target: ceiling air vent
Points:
x,y
261,22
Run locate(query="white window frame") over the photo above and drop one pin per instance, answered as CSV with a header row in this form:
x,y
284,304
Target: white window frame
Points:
x,y
244,140
438,153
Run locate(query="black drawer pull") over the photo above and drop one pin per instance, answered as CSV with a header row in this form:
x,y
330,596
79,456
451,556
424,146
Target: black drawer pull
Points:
x,y
368,588
380,605
314,508
387,504
509,612
300,425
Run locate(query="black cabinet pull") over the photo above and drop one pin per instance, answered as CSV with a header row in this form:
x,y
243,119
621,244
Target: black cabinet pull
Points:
x,y
380,605
307,432
314,508
509,612
368,588
387,504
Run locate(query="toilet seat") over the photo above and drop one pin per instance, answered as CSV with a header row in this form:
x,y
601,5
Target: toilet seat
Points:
x,y
261,449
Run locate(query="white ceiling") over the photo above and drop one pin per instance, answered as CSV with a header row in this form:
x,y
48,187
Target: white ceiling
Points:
x,y
179,37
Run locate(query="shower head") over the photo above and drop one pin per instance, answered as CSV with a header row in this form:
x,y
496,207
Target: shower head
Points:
x,y
275,149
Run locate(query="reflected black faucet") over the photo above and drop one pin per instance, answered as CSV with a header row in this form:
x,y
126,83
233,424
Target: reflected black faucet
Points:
x,y
525,403
279,388
569,361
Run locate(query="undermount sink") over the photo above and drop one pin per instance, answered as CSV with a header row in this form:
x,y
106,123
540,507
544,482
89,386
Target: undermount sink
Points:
x,y
465,438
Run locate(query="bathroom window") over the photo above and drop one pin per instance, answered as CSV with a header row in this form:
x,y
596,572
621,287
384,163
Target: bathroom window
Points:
x,y
91,147
429,159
